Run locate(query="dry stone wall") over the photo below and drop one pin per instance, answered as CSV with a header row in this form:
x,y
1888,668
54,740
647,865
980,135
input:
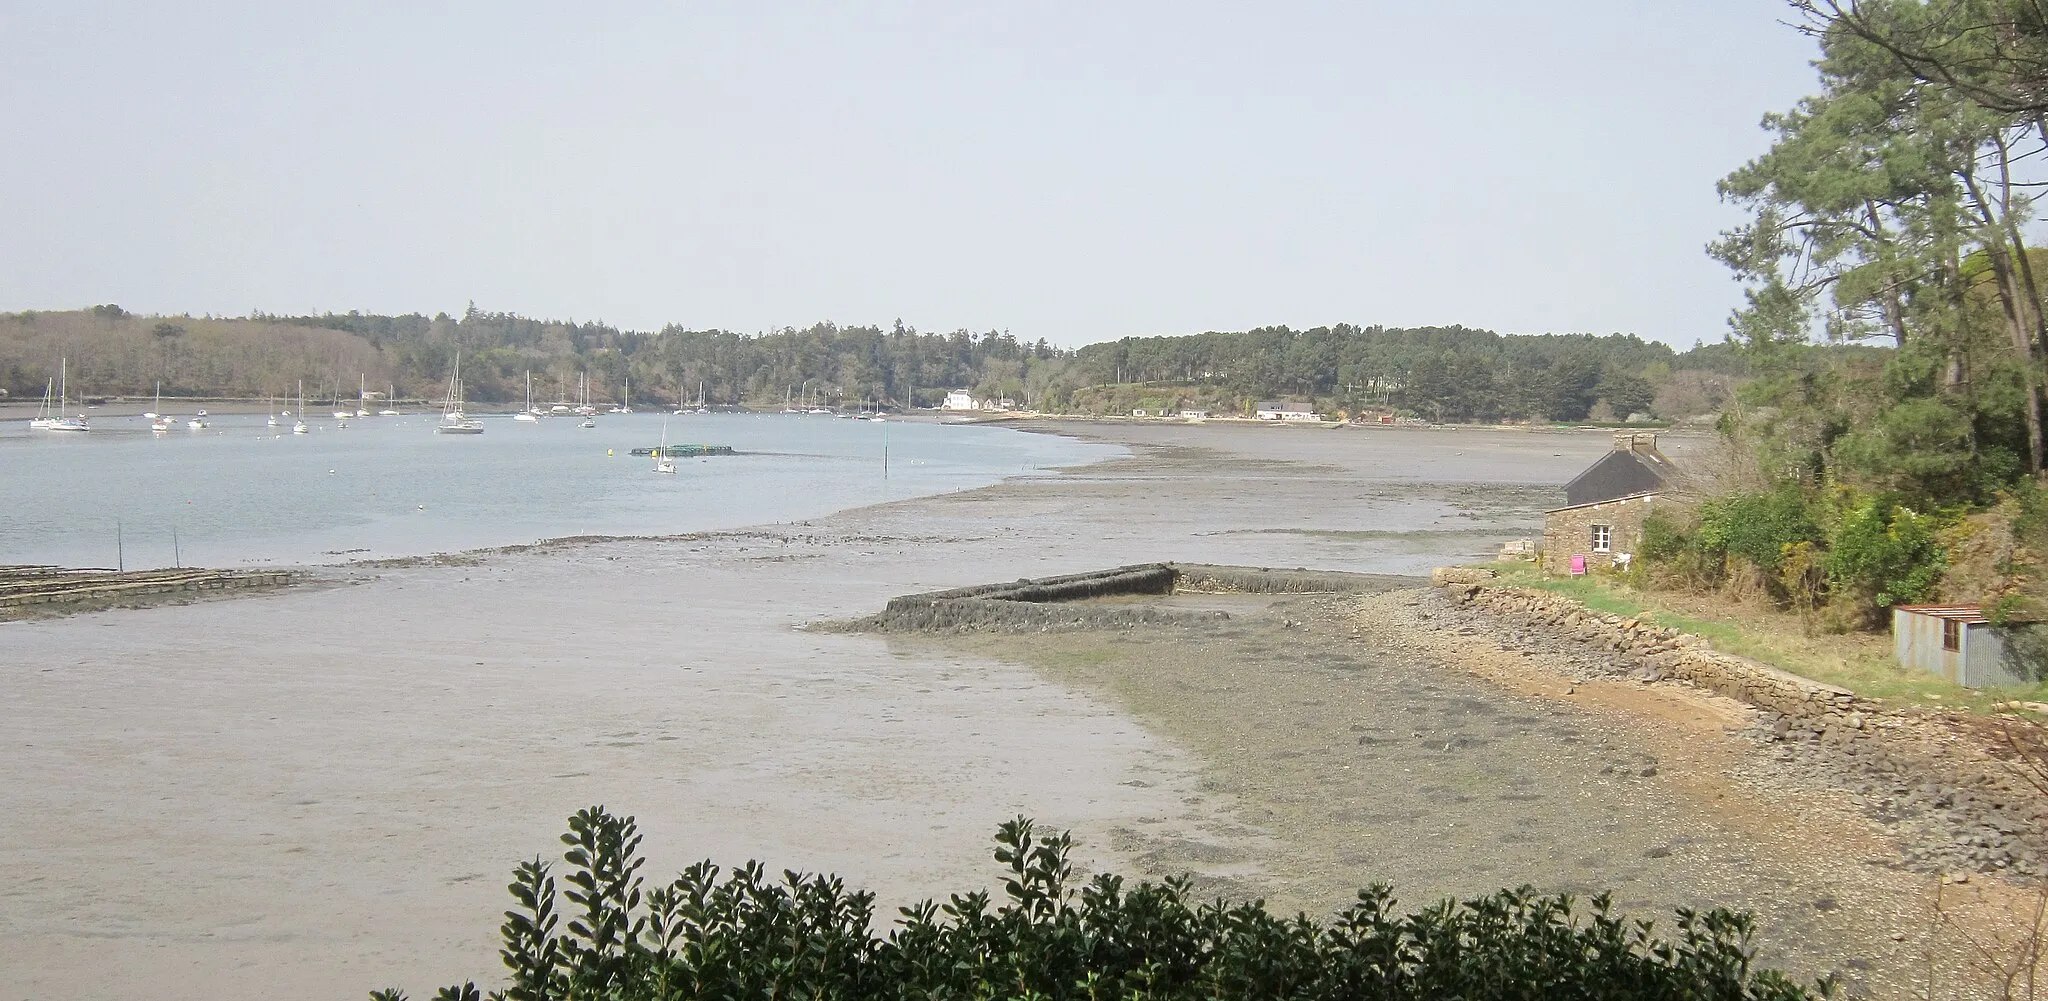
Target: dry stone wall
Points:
x,y
1662,653
1939,781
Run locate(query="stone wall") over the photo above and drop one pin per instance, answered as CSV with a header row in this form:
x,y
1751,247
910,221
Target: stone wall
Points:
x,y
1568,532
1064,603
1668,653
1943,782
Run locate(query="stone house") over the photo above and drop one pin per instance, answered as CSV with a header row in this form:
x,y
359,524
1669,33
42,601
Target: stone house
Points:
x,y
1601,523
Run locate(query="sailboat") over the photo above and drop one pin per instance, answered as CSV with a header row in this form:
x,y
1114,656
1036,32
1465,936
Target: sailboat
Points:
x,y
198,422
663,462
528,414
270,411
299,422
626,402
159,423
390,393
45,414
453,420
56,420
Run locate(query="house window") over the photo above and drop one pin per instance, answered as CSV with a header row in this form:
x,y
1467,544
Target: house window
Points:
x,y
1602,536
1951,635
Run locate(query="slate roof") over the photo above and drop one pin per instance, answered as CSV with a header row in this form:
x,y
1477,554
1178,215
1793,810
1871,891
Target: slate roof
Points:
x,y
1631,470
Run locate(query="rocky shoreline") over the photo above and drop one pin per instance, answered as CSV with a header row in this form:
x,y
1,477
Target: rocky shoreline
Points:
x,y
1955,791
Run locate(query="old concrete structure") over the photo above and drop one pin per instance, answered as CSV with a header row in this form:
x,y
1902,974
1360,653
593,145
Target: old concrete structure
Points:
x,y
1602,522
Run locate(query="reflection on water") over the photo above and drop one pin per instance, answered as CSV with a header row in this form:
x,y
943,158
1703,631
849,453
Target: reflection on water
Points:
x,y
241,492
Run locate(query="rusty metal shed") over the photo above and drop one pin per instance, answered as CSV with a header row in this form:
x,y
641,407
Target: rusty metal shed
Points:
x,y
1959,643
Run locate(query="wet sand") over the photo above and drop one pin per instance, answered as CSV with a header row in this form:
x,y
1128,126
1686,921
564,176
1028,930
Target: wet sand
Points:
x,y
318,792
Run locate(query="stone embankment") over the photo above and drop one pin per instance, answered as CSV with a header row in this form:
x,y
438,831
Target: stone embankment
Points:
x,y
46,589
1070,602
1657,653
1948,786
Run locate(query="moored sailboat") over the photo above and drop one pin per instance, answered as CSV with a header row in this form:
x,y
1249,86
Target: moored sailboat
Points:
x,y
453,420
528,414
53,418
663,462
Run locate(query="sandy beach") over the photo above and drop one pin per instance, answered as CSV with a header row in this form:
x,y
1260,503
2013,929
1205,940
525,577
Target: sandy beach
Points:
x,y
319,791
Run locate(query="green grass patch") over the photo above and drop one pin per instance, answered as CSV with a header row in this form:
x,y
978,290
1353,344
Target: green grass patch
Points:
x,y
1860,662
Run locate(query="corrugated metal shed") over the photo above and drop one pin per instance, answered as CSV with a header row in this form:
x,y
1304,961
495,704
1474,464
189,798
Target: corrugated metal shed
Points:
x,y
1958,643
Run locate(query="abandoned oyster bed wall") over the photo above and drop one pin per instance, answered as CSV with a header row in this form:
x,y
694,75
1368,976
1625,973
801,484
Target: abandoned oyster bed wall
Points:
x,y
1046,603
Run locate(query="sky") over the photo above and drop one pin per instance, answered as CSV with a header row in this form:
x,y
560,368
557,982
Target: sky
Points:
x,y
1070,171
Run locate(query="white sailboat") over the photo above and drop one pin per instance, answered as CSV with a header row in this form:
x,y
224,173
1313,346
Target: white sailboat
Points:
x,y
390,393
46,414
663,462
57,421
528,414
159,423
362,396
299,422
270,411
626,402
453,420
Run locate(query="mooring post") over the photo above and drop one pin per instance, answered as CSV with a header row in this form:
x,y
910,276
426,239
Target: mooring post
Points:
x,y
177,555
120,551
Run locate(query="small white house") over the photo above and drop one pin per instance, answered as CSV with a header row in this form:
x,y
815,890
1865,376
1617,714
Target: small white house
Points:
x,y
1274,411
1194,415
960,399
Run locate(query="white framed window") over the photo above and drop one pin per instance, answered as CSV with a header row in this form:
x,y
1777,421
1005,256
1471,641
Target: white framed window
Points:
x,y
1603,537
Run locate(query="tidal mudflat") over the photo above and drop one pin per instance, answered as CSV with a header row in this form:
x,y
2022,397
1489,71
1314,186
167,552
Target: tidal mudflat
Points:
x,y
320,791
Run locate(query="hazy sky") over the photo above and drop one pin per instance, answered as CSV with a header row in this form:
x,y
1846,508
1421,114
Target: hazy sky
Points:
x,y
1073,171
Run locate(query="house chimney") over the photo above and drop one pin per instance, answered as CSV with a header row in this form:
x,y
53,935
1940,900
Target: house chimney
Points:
x,y
1624,441
1645,442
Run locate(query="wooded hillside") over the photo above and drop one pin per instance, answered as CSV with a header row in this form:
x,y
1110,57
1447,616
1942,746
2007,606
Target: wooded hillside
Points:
x,y
1441,373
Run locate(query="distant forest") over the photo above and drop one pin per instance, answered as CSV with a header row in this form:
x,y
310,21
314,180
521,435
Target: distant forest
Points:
x,y
1440,373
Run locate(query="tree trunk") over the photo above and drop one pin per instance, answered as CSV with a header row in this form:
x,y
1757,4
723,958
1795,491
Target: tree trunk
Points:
x,y
1997,251
1894,308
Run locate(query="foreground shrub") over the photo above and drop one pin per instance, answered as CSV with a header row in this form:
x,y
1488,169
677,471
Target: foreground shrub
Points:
x,y
751,936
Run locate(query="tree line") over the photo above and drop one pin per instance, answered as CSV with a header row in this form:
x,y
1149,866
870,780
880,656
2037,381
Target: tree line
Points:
x,y
1440,373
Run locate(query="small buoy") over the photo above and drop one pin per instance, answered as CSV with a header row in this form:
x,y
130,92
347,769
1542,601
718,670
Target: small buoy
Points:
x,y
607,453
330,472
423,507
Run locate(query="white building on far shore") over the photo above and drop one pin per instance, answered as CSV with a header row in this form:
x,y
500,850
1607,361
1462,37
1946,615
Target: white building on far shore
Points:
x,y
1273,411
960,399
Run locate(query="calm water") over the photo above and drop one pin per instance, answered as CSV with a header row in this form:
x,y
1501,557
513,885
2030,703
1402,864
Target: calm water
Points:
x,y
244,493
